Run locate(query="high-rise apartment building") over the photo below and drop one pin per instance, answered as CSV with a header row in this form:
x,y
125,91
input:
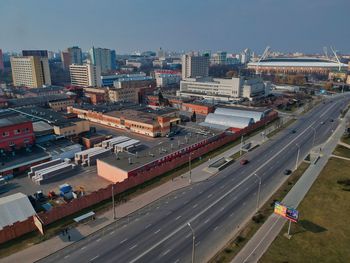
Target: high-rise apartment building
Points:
x,y
103,58
86,75
1,61
30,71
195,66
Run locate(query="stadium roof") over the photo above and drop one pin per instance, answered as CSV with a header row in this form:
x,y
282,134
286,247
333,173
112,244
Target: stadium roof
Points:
x,y
13,208
297,62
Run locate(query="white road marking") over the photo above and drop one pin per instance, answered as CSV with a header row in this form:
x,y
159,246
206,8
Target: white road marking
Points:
x,y
197,243
195,206
131,248
175,197
157,231
184,192
98,240
166,252
177,261
140,255
210,195
216,228
148,226
83,248
222,209
206,221
67,256
157,207
111,233
94,258
188,235
177,218
121,242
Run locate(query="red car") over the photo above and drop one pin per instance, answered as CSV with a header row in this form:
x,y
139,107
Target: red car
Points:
x,y
244,161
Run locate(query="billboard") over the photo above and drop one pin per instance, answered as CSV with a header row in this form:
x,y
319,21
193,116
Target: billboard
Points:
x,y
287,212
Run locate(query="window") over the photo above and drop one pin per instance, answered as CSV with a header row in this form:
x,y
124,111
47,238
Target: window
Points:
x,y
18,131
5,134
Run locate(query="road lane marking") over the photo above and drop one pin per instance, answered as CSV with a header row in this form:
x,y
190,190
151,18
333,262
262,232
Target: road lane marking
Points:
x,y
178,218
94,258
222,209
188,235
98,240
111,233
177,261
216,228
148,226
195,206
156,232
220,198
67,256
83,248
131,248
206,221
198,243
124,240
166,252
210,195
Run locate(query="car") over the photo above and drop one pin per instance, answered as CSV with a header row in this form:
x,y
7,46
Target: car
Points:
x,y
293,131
331,120
322,122
287,172
244,161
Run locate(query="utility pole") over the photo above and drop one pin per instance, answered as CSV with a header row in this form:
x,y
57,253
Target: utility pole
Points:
x,y
288,234
114,214
259,189
297,161
240,152
193,241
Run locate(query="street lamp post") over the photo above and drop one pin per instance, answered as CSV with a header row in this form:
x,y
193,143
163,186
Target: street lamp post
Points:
x,y
297,161
193,241
259,189
114,214
240,152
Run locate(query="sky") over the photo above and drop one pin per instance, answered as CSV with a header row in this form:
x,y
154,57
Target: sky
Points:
x,y
178,25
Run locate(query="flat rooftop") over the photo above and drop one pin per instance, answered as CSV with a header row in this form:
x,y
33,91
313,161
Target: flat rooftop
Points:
x,y
21,158
8,118
143,155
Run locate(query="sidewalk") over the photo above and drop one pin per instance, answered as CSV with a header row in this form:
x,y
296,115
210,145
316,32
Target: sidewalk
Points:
x,y
58,242
263,238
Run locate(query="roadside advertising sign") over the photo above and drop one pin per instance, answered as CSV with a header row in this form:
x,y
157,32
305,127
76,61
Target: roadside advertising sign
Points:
x,y
287,212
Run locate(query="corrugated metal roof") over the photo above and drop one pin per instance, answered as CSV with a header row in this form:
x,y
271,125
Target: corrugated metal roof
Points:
x,y
229,121
13,208
256,115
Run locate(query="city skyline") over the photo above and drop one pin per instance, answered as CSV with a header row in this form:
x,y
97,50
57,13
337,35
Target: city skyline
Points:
x,y
128,26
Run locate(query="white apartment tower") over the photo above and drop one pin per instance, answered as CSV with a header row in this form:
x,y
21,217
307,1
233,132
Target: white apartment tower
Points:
x,y
194,66
86,75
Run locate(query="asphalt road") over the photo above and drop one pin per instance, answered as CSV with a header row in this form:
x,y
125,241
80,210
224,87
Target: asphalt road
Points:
x,y
215,208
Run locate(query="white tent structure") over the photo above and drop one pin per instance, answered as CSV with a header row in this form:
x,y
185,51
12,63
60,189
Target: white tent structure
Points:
x,y
14,208
226,121
256,115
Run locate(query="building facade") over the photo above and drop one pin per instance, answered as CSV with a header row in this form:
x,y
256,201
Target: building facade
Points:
x,y
103,58
222,89
30,71
16,131
195,66
86,75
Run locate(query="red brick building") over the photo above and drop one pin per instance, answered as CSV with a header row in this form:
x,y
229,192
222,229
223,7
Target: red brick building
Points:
x,y
16,131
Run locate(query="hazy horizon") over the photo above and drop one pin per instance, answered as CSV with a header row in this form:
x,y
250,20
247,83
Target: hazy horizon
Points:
x,y
136,25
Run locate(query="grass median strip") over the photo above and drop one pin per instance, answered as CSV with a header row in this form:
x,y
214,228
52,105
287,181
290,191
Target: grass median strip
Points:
x,y
323,231
342,151
232,248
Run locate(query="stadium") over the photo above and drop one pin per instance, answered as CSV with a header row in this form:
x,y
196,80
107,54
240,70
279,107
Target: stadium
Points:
x,y
296,65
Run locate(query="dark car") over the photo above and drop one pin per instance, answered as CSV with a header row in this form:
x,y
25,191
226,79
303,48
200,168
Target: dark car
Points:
x,y
293,131
244,161
331,120
287,172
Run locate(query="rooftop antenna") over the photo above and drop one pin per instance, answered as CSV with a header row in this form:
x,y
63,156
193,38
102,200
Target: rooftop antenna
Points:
x,y
336,57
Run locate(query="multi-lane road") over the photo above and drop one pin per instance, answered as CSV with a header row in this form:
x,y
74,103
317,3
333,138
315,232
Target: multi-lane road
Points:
x,y
215,208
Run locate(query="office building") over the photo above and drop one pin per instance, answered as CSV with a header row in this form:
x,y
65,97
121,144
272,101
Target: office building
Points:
x,y
219,58
103,58
73,55
1,61
195,66
86,75
222,89
37,53
30,71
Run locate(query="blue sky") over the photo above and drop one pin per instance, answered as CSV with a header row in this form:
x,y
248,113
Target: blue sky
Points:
x,y
129,25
